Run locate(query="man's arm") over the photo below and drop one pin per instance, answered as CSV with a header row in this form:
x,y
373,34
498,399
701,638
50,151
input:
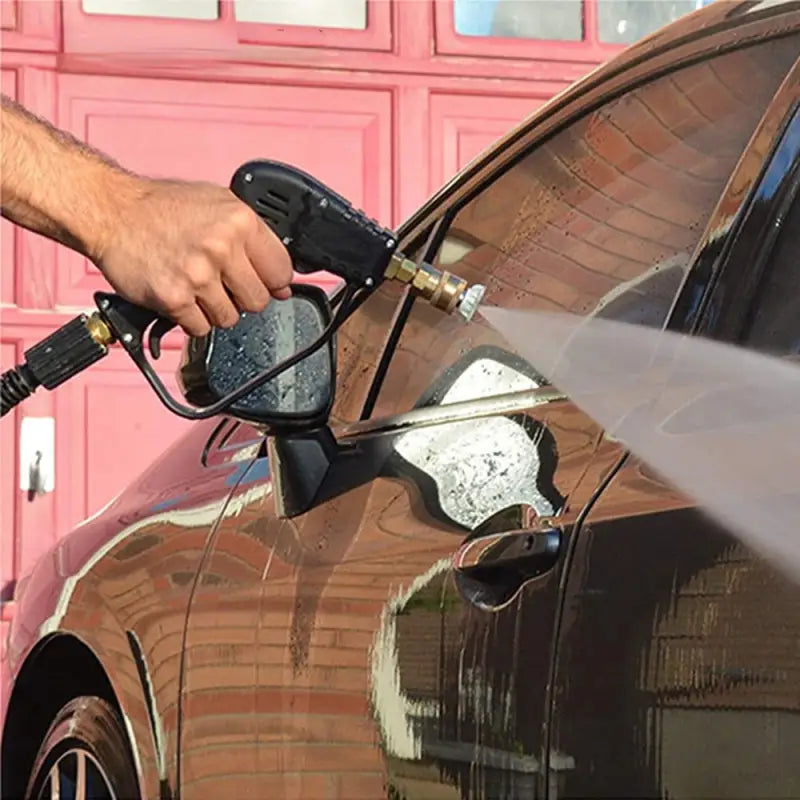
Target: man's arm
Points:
x,y
39,186
190,250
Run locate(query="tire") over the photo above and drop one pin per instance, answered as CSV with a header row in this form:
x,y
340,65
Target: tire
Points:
x,y
86,730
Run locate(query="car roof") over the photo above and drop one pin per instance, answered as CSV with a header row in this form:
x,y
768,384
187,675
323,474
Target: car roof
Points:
x,y
719,26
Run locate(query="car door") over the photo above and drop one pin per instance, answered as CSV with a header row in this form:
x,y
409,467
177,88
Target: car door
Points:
x,y
677,670
390,632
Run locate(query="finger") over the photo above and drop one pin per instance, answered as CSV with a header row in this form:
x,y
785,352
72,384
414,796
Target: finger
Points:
x,y
247,289
193,321
218,306
270,259
282,294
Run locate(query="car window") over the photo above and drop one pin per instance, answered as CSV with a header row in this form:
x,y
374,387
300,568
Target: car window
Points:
x,y
774,326
359,343
602,218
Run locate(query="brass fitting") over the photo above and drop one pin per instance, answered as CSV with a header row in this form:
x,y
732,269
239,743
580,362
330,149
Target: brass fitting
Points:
x,y
401,269
440,288
99,331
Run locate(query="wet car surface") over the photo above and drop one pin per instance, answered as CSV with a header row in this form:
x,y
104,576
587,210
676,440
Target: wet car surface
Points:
x,y
483,596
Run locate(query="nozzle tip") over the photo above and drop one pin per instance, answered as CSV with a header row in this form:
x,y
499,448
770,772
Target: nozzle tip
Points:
x,y
470,301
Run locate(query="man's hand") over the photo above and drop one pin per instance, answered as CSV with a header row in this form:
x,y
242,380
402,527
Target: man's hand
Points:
x,y
190,250
195,253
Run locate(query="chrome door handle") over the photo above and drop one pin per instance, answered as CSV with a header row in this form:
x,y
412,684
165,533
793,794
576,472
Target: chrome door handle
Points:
x,y
490,569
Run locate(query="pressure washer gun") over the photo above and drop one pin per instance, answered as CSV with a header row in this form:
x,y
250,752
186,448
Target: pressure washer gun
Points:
x,y
321,232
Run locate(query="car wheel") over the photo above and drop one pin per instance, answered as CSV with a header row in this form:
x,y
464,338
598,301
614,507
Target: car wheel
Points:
x,y
84,756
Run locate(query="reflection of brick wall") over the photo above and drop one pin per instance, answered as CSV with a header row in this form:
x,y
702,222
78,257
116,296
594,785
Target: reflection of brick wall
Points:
x,y
295,607
359,344
302,633
146,581
627,187
721,625
708,647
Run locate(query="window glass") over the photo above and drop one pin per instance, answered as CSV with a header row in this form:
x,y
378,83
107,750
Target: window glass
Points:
x,y
602,218
619,21
627,21
359,344
543,19
775,326
178,9
350,14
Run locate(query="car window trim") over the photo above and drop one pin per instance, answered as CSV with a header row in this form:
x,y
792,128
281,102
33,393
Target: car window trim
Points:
x,y
464,410
741,227
404,307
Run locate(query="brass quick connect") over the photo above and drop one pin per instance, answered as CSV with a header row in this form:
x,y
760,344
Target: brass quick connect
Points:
x,y
98,330
401,269
441,288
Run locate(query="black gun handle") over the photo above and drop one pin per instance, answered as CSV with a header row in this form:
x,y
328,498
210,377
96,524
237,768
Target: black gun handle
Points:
x,y
319,228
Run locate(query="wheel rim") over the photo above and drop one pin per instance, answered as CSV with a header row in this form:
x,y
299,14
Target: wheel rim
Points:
x,y
76,775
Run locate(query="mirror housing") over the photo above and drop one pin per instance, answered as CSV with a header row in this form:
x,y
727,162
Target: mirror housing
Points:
x,y
429,449
301,397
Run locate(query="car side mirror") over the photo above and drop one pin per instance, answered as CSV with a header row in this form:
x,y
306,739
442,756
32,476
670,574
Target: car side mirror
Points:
x,y
215,365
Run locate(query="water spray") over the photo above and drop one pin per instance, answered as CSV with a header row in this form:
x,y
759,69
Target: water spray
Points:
x,y
720,422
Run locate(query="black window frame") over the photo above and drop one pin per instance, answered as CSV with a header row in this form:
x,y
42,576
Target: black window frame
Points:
x,y
736,291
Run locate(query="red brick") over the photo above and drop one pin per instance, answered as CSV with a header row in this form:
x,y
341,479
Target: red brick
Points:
x,y
271,700
362,786
329,758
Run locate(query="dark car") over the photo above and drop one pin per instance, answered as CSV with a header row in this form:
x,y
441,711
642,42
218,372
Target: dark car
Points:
x,y
457,586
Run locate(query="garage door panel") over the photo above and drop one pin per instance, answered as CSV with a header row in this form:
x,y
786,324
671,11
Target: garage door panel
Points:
x,y
29,25
116,428
28,520
463,125
206,130
8,494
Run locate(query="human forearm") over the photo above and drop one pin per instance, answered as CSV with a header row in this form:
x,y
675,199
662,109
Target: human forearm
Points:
x,y
57,186
190,250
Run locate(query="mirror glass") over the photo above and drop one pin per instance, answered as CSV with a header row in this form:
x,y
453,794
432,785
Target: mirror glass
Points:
x,y
482,465
261,341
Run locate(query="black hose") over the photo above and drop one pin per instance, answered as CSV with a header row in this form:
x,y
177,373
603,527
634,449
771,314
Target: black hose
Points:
x,y
15,385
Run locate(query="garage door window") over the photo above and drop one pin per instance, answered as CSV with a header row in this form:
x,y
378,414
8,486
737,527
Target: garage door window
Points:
x,y
614,21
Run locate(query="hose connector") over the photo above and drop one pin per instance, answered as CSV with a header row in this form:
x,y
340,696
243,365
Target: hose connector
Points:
x,y
63,354
440,288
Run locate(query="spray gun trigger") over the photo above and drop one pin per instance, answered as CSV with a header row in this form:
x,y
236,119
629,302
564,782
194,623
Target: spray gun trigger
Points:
x,y
157,332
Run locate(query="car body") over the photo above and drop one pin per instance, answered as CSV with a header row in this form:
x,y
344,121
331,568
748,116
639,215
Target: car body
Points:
x,y
483,595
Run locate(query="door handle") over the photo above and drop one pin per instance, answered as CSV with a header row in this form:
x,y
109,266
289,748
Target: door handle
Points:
x,y
490,569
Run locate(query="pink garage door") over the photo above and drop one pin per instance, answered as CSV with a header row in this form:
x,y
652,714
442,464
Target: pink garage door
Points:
x,y
382,99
